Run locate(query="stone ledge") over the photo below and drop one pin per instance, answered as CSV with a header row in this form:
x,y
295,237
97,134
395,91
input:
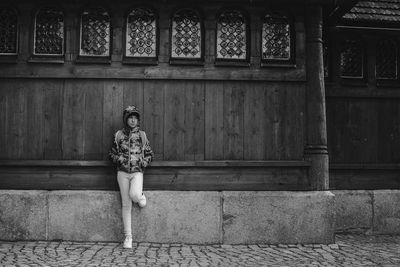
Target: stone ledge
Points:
x,y
197,217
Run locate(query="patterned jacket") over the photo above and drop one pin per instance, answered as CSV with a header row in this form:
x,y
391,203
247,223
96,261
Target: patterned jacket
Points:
x,y
131,150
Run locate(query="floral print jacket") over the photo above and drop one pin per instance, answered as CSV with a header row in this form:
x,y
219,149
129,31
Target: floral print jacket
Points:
x,y
131,151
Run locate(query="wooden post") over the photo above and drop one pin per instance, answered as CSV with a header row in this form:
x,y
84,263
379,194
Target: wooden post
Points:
x,y
316,150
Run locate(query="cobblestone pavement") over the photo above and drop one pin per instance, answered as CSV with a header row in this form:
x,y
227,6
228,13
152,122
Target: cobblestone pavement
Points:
x,y
349,250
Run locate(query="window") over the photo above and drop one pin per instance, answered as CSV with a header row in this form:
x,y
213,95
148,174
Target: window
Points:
x,y
276,39
232,36
141,34
95,33
186,35
386,59
49,32
351,59
8,31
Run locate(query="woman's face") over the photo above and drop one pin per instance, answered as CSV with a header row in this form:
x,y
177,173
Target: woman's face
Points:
x,y
132,121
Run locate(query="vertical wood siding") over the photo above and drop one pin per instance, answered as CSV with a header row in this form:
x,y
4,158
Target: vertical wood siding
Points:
x,y
185,120
363,130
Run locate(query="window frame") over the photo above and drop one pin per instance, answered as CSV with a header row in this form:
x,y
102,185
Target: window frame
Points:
x,y
229,61
140,60
187,61
291,62
85,59
353,80
43,58
12,57
396,44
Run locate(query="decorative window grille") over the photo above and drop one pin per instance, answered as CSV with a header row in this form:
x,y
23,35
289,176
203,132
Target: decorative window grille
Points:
x,y
186,35
8,31
351,59
141,35
276,38
231,35
386,59
49,32
95,33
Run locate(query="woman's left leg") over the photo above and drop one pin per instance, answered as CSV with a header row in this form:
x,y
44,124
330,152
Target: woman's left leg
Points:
x,y
136,189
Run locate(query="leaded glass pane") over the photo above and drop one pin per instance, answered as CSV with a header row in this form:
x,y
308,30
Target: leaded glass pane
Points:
x,y
386,59
186,35
49,32
141,33
275,38
95,33
351,59
8,31
231,35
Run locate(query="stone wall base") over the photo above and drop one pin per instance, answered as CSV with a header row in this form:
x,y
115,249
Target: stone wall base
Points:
x,y
197,217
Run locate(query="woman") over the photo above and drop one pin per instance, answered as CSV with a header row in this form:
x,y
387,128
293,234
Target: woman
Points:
x,y
132,153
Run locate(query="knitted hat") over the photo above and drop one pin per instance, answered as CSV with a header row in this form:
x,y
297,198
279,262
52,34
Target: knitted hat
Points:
x,y
129,111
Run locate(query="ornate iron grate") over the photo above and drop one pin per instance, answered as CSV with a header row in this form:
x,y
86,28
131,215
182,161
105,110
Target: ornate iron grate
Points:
x,y
95,32
231,35
275,38
49,32
186,35
386,59
141,33
8,31
351,59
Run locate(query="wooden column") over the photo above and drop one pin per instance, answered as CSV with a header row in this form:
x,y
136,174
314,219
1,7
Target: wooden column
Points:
x,y
316,150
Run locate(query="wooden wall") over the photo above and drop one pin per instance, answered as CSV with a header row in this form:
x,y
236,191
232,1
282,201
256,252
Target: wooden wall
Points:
x,y
57,119
245,123
363,118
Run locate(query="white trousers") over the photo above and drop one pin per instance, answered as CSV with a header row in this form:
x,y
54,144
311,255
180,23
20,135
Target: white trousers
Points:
x,y
131,189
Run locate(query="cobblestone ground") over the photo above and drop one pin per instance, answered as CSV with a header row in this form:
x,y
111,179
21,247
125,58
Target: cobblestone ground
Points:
x,y
349,250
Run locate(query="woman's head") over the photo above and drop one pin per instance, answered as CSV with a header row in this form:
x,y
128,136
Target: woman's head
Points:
x,y
131,117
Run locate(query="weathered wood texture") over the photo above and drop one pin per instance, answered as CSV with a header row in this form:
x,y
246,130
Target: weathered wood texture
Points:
x,y
157,178
363,130
184,120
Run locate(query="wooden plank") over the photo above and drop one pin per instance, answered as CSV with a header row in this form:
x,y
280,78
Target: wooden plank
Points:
x,y
17,122
214,122
112,113
254,114
35,121
194,120
294,122
389,131
160,72
174,122
154,114
270,122
364,179
93,119
104,178
174,164
3,120
233,120
52,111
73,120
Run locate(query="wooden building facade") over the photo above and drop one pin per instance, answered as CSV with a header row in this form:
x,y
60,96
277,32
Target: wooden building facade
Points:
x,y
232,96
362,94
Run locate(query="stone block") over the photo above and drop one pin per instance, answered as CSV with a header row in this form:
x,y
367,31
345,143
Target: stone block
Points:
x,y
179,217
23,215
353,211
278,217
387,212
85,216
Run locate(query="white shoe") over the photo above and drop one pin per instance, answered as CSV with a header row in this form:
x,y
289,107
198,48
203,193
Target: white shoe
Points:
x,y
142,202
128,242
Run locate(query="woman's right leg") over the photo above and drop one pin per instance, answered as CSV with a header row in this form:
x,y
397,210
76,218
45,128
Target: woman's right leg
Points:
x,y
124,184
